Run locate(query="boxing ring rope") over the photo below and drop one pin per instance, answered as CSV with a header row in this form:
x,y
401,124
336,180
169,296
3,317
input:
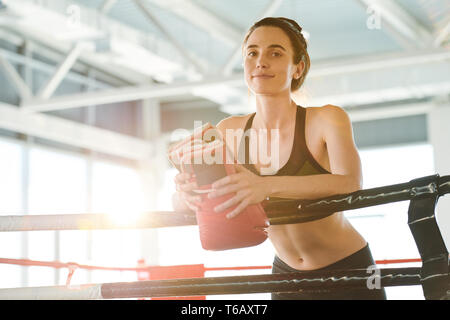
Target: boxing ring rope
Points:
x,y
278,212
85,221
423,193
289,282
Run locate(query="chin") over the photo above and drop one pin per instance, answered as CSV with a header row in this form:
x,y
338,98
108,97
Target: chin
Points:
x,y
266,91
262,90
268,88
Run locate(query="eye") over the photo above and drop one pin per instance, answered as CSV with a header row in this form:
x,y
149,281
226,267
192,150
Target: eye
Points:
x,y
276,54
251,54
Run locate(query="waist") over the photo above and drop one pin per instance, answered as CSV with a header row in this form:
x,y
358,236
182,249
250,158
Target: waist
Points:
x,y
312,245
361,259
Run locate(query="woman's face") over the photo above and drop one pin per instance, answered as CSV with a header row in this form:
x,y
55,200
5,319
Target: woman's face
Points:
x,y
268,62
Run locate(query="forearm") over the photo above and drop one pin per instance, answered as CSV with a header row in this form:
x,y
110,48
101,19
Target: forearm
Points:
x,y
311,187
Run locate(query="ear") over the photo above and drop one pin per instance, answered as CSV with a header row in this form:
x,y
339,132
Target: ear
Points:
x,y
299,70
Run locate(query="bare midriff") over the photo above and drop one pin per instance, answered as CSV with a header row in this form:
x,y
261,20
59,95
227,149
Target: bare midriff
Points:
x,y
316,244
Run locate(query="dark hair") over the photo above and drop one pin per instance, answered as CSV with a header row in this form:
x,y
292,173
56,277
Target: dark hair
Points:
x,y
294,32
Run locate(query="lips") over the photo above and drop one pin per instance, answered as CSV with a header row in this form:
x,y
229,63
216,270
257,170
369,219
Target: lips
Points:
x,y
263,76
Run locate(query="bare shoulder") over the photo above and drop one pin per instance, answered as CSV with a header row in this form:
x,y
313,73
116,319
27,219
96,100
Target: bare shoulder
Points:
x,y
335,113
233,122
329,114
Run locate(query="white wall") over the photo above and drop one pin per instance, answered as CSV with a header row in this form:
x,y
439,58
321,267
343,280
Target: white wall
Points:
x,y
439,137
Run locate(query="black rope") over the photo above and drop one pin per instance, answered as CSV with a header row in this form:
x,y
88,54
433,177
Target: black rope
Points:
x,y
286,282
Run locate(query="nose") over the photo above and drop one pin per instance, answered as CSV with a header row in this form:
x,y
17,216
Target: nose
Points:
x,y
262,63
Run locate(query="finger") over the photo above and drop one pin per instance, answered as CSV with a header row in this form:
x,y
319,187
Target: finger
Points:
x,y
221,182
190,201
222,191
231,202
182,177
191,206
238,209
193,199
190,197
188,186
232,178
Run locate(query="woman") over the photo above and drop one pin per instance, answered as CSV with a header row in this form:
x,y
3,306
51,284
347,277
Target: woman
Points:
x,y
316,158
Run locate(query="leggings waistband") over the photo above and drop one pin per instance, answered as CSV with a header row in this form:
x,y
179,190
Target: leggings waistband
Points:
x,y
360,259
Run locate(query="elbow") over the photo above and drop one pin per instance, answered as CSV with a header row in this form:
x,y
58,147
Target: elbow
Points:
x,y
358,186
354,184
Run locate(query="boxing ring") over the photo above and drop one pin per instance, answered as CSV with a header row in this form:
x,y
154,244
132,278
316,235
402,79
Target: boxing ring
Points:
x,y
423,194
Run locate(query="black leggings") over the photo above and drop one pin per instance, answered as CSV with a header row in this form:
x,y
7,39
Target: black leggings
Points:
x,y
361,259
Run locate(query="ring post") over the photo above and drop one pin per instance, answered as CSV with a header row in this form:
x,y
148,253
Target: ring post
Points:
x,y
435,278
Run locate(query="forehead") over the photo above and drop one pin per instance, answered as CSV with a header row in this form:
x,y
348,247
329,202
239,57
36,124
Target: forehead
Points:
x,y
266,36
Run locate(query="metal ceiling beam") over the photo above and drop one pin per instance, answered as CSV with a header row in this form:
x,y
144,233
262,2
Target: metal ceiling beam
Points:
x,y
363,88
123,94
46,68
112,143
183,52
203,19
400,22
237,52
323,72
49,88
101,81
106,6
377,61
14,77
442,34
125,76
73,133
116,30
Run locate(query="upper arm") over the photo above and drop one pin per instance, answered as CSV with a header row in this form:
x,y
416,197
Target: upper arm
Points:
x,y
342,152
233,125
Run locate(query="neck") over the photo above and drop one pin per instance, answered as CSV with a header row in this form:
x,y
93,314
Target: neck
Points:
x,y
274,112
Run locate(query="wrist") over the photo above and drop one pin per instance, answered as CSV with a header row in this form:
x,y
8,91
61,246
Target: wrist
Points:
x,y
270,188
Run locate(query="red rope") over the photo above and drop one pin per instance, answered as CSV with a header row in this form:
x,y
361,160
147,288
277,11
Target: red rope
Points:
x,y
397,261
237,268
59,265
73,265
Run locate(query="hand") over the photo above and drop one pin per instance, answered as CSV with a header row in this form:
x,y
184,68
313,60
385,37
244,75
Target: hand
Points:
x,y
185,190
249,188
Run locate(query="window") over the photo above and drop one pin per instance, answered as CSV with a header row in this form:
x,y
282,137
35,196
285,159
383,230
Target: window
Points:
x,y
116,190
57,186
11,204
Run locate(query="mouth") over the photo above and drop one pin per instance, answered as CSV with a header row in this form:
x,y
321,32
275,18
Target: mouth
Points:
x,y
263,76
